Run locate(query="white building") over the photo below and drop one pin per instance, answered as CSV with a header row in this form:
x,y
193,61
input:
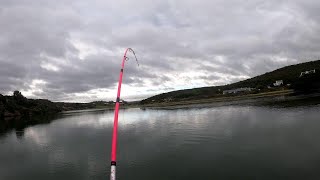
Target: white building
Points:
x,y
234,91
278,83
307,72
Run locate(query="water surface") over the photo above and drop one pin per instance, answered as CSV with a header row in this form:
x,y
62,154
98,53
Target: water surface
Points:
x,y
227,142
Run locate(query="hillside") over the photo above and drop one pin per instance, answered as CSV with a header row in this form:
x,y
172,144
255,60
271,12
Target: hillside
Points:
x,y
18,105
289,75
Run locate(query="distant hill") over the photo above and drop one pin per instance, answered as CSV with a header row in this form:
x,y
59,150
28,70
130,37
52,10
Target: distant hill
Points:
x,y
289,75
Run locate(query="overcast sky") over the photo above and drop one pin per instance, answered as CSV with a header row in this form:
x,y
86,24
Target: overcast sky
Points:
x,y
71,50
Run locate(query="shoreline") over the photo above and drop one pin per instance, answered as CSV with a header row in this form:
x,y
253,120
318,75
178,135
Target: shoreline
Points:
x,y
275,98
179,104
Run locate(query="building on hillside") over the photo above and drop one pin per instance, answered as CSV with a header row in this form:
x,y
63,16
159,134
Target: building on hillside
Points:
x,y
278,83
307,72
238,90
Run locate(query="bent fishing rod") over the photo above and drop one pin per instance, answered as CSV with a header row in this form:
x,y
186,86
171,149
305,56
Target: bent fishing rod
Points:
x,y
116,113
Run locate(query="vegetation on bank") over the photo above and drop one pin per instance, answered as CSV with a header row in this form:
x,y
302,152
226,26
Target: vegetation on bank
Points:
x,y
222,99
19,106
290,75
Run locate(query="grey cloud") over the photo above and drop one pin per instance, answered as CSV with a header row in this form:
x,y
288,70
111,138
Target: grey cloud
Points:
x,y
169,37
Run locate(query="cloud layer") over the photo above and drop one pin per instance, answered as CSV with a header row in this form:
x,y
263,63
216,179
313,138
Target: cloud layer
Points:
x,y
71,50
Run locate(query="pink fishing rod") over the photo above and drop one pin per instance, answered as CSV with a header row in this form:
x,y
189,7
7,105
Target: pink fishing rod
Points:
x,y
116,113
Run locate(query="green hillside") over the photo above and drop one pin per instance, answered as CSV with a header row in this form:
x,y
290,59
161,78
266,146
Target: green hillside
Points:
x,y
289,75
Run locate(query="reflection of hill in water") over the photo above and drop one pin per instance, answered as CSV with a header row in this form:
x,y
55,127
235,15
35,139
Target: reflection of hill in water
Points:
x,y
20,123
297,100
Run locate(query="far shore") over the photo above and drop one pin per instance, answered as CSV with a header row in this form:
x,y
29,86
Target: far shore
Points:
x,y
267,98
219,99
281,98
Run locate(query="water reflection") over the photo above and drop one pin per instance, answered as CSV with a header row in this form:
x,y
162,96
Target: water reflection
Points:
x,y
20,123
229,142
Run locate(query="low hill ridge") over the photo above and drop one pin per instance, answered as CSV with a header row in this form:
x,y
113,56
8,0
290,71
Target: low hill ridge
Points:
x,y
288,74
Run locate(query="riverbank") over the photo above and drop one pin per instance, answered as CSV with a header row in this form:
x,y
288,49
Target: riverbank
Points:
x,y
275,98
231,99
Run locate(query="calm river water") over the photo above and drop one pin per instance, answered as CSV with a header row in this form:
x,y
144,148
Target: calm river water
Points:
x,y
227,142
